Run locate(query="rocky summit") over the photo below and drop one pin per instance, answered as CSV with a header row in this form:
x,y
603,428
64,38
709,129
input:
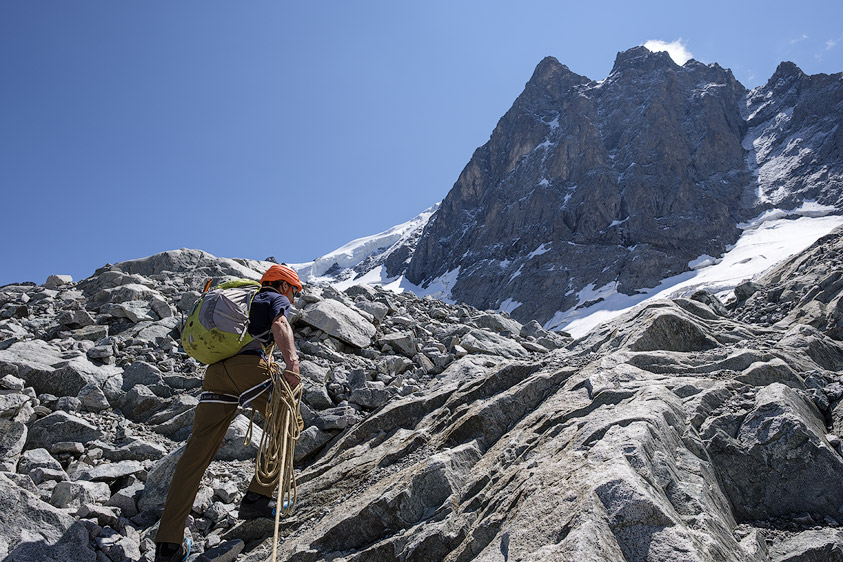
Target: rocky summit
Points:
x,y
618,184
686,430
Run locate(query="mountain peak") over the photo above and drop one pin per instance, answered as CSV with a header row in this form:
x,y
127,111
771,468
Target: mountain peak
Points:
x,y
641,58
550,70
786,69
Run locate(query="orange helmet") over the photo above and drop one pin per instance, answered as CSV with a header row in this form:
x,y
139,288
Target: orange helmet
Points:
x,y
282,272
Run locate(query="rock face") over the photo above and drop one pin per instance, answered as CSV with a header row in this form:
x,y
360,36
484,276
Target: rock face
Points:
x,y
587,187
688,429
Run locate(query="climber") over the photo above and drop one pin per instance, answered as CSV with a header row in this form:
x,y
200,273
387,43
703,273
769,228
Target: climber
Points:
x,y
249,369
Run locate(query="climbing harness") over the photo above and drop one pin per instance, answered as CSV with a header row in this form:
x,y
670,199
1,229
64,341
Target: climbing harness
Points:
x,y
282,426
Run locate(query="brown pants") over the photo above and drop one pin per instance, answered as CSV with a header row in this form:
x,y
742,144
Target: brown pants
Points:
x,y
210,423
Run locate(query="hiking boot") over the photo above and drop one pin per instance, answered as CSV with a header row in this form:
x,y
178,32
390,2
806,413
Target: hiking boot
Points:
x,y
255,506
172,552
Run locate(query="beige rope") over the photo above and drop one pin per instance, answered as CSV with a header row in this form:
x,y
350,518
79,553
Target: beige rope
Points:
x,y
282,426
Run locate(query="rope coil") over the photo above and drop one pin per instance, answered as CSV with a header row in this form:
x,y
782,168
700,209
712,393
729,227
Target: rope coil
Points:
x,y
282,427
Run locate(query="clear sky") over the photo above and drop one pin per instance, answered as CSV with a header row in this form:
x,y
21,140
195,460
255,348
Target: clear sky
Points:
x,y
270,128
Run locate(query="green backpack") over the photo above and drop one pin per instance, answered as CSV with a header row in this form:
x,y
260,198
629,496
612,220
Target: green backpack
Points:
x,y
217,326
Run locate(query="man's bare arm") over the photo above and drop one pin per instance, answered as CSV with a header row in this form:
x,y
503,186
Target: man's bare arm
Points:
x,y
283,334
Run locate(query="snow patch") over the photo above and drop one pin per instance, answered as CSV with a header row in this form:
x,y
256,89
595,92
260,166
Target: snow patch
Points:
x,y
356,251
543,249
439,288
767,240
509,305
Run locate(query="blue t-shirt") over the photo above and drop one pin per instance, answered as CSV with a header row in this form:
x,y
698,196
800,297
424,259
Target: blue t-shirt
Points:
x,y
267,305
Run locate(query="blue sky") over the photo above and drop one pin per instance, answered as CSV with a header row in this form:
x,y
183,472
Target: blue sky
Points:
x,y
250,129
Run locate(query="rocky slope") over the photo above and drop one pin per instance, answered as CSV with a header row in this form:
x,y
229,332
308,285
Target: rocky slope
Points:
x,y
688,429
620,183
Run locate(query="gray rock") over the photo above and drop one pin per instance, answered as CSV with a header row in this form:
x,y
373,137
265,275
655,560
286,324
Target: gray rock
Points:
x,y
37,458
90,333
25,357
108,472
672,332
803,339
400,343
105,516
203,500
72,447
177,406
178,427
73,545
11,382
187,300
312,371
423,362
140,403
24,516
334,418
92,398
200,264
135,310
116,546
136,450
532,329
157,333
160,307
225,552
395,364
75,494
68,379
13,436
125,293
56,281
316,395
372,395
819,545
41,475
746,290
765,373
310,439
497,323
362,292
481,341
534,347
75,318
68,404
126,499
141,372
378,310
339,321
779,461
11,403
101,352
61,426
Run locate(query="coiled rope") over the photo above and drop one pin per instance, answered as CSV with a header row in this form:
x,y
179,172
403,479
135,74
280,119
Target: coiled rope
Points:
x,y
282,426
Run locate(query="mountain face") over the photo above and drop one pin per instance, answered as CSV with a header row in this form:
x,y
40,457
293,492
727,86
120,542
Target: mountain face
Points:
x,y
618,184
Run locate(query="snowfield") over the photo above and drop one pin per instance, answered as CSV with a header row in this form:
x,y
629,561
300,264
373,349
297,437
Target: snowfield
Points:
x,y
766,241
